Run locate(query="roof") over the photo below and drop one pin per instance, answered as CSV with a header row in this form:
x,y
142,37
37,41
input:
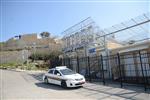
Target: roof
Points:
x,y
133,47
61,67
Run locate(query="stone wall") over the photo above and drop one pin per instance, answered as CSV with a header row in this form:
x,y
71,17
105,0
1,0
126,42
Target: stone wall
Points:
x,y
27,41
14,56
18,50
29,37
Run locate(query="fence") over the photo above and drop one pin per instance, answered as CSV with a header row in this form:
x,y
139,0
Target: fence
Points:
x,y
123,68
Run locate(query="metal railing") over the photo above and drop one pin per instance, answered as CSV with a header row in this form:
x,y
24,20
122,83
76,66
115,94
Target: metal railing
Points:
x,y
126,68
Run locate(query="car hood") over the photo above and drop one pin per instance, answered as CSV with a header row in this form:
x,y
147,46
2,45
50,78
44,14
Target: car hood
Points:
x,y
74,76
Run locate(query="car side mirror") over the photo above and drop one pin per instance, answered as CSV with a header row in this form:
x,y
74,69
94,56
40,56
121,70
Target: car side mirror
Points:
x,y
58,74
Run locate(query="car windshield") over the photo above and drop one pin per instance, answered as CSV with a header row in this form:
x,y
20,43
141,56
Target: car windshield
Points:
x,y
67,71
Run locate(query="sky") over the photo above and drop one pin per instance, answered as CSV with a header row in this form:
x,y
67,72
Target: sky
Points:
x,y
35,16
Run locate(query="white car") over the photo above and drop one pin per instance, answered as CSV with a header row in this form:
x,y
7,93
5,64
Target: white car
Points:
x,y
63,76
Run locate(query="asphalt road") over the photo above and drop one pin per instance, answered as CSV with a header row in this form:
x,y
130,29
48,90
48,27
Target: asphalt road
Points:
x,y
28,85
16,85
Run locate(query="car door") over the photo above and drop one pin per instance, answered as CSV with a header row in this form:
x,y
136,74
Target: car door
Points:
x,y
57,77
50,75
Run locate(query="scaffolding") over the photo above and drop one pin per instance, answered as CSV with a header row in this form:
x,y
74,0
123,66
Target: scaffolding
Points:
x,y
132,31
87,32
79,35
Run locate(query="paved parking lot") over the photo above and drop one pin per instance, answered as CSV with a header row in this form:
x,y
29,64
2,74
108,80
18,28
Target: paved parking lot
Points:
x,y
16,85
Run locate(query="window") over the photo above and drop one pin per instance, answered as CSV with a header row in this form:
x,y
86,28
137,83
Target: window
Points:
x,y
50,71
56,72
67,72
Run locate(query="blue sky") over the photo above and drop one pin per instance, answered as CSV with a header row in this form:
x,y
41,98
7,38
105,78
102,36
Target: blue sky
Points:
x,y
35,16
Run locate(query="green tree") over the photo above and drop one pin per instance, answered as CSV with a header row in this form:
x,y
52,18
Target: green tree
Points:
x,y
45,56
45,34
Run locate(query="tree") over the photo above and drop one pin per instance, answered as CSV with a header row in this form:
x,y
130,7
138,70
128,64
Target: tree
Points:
x,y
50,59
45,34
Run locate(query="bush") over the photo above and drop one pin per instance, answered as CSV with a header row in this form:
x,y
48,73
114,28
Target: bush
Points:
x,y
9,65
30,66
45,56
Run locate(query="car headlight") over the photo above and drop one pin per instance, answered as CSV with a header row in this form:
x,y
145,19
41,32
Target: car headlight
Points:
x,y
79,79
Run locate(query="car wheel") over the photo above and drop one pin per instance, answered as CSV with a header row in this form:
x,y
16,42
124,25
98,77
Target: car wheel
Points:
x,y
63,84
46,80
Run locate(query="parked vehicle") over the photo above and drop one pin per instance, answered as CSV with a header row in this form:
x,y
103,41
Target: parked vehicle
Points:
x,y
63,76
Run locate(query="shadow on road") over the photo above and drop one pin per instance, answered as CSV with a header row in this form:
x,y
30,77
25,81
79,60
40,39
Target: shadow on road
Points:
x,y
128,92
48,86
37,76
53,86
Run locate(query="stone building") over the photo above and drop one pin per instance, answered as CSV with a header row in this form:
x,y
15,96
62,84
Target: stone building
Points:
x,y
23,46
